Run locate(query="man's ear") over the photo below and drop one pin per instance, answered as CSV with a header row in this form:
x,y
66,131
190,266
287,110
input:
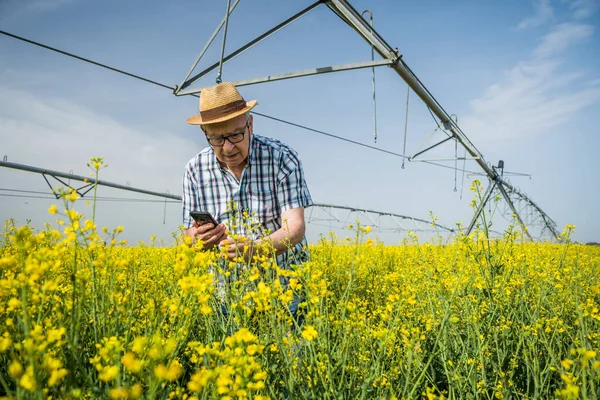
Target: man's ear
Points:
x,y
202,129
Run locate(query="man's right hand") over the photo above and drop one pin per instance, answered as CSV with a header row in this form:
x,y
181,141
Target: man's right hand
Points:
x,y
208,233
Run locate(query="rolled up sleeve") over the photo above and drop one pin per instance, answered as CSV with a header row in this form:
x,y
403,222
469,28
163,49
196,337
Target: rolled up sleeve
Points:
x,y
292,191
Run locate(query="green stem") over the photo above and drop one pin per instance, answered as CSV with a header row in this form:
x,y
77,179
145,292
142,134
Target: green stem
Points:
x,y
94,203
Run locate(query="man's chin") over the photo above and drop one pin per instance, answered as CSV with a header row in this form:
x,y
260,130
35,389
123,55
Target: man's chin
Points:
x,y
232,162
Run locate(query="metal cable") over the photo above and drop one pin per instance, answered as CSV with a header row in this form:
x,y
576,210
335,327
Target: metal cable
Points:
x,y
195,95
218,80
405,124
101,198
86,60
31,196
328,134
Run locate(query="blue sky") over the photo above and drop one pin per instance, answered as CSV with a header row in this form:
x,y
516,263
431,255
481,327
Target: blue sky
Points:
x,y
523,77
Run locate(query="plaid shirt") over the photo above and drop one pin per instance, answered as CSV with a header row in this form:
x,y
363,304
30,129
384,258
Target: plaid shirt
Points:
x,y
272,182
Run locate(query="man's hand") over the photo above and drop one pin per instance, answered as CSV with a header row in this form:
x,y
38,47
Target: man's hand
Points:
x,y
208,233
233,248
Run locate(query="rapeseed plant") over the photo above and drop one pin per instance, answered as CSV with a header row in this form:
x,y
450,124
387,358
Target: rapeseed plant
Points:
x,y
83,315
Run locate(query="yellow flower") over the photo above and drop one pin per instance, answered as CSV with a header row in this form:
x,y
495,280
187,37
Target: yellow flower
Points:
x,y
109,373
13,304
566,363
310,333
205,309
56,376
588,354
171,373
72,197
252,349
136,391
53,209
5,343
130,362
118,393
27,381
15,369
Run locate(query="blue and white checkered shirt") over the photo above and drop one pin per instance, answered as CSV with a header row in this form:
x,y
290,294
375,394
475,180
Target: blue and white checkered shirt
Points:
x,y
272,182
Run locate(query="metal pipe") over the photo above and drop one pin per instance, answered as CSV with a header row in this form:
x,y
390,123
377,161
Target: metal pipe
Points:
x,y
313,71
351,16
373,78
486,197
82,178
246,47
206,46
380,213
405,126
218,80
445,159
549,222
514,210
429,148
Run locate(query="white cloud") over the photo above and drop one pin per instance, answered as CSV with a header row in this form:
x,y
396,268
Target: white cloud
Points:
x,y
561,37
543,14
582,9
42,132
536,95
60,135
24,8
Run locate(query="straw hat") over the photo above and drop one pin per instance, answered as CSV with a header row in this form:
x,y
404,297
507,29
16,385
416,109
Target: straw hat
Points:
x,y
220,103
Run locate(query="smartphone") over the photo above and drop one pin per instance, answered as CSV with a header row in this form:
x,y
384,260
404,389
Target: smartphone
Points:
x,y
203,217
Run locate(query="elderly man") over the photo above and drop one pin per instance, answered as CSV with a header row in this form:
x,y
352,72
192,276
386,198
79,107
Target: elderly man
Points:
x,y
259,175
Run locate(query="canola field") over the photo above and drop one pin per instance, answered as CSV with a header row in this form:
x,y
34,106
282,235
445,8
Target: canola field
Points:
x,y
83,315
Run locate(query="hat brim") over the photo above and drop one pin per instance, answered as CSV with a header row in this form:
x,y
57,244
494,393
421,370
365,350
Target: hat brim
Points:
x,y
197,119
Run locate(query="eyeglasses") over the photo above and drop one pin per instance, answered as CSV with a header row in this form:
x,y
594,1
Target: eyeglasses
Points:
x,y
233,138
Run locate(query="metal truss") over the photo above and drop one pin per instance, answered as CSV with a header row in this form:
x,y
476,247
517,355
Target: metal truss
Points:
x,y
184,87
340,217
527,212
89,182
533,216
393,59
332,216
538,223
539,226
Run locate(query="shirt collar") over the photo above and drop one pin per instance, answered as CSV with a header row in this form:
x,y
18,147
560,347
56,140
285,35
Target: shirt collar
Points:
x,y
251,150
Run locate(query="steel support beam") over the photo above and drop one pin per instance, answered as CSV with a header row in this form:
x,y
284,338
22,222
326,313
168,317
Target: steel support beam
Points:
x,y
86,179
181,92
355,20
514,210
548,222
208,43
313,71
328,208
486,197
429,148
347,12
445,159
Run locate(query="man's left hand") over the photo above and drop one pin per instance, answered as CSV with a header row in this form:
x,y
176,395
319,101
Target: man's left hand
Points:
x,y
233,248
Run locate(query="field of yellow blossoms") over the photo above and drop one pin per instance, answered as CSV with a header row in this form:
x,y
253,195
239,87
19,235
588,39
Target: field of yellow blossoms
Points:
x,y
85,316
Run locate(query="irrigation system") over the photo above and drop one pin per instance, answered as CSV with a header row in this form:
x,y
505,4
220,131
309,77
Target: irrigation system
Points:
x,y
515,205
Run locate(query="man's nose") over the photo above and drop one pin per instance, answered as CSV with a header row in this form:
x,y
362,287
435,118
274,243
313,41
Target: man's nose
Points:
x,y
227,146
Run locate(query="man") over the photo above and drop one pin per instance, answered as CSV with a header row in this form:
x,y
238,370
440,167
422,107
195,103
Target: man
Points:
x,y
261,176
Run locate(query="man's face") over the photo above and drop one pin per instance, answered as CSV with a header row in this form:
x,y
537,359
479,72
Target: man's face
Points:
x,y
231,154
